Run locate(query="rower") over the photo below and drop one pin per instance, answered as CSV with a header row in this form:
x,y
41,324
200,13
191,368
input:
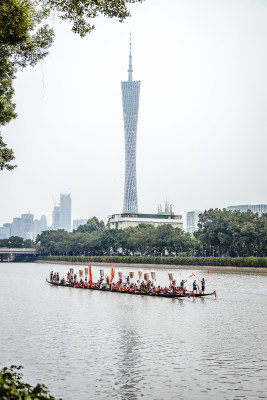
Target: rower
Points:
x,y
182,285
195,286
203,283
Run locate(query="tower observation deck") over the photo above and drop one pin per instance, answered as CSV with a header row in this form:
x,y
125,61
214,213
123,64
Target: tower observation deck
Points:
x,y
130,102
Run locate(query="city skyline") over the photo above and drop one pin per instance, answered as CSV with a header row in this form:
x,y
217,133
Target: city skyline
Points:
x,y
201,132
27,227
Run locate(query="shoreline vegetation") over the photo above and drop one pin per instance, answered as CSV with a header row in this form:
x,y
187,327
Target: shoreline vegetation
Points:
x,y
222,264
14,388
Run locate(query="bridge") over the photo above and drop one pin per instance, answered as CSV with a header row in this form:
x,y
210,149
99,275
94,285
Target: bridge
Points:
x,y
17,254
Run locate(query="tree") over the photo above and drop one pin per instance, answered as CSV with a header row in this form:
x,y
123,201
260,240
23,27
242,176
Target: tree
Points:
x,y
53,242
162,237
12,387
214,230
233,233
179,241
6,155
142,238
12,242
25,39
112,240
93,224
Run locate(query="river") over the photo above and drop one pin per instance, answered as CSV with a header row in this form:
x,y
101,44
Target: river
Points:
x,y
86,344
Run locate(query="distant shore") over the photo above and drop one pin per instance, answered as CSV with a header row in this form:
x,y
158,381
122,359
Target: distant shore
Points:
x,y
225,269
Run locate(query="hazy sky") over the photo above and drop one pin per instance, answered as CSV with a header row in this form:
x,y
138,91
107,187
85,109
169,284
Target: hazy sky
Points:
x,y
201,138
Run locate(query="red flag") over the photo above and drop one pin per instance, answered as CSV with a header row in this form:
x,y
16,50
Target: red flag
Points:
x,y
191,275
90,274
208,271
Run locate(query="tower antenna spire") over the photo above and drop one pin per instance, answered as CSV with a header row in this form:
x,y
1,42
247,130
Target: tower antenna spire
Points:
x,y
130,70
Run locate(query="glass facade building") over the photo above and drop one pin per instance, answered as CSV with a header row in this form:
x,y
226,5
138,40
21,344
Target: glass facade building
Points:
x,y
65,209
192,221
61,216
130,101
255,208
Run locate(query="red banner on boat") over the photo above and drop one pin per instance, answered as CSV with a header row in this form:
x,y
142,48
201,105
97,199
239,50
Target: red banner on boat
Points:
x,y
90,274
112,273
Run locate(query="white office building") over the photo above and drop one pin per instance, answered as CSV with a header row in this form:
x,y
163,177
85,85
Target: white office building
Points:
x,y
125,220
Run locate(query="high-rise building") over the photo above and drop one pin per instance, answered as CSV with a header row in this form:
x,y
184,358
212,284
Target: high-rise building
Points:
x,y
4,231
79,222
56,218
28,223
25,227
130,101
17,227
61,218
255,208
192,218
36,227
65,209
43,223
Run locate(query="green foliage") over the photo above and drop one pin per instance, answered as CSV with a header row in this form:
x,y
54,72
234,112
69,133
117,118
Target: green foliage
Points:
x,y
93,224
17,242
79,13
6,155
12,387
221,234
233,233
54,242
25,39
112,240
190,261
95,239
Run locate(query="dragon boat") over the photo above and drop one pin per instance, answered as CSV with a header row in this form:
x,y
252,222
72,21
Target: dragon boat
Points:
x,y
136,293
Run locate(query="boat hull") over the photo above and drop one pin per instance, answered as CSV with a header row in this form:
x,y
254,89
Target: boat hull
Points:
x,y
189,294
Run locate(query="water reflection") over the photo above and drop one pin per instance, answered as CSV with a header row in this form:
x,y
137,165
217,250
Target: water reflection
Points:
x,y
129,364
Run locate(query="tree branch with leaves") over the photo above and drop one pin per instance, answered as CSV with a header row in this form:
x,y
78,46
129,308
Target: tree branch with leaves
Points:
x,y
25,38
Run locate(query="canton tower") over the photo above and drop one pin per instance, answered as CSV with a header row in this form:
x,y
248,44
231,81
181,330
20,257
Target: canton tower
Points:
x,y
130,103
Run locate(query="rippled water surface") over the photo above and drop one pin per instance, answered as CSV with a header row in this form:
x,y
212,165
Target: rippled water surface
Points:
x,y
92,345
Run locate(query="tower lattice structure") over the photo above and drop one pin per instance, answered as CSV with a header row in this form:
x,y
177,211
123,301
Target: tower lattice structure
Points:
x,y
130,101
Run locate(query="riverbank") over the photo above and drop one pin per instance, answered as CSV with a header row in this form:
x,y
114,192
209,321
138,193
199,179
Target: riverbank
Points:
x,y
219,269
